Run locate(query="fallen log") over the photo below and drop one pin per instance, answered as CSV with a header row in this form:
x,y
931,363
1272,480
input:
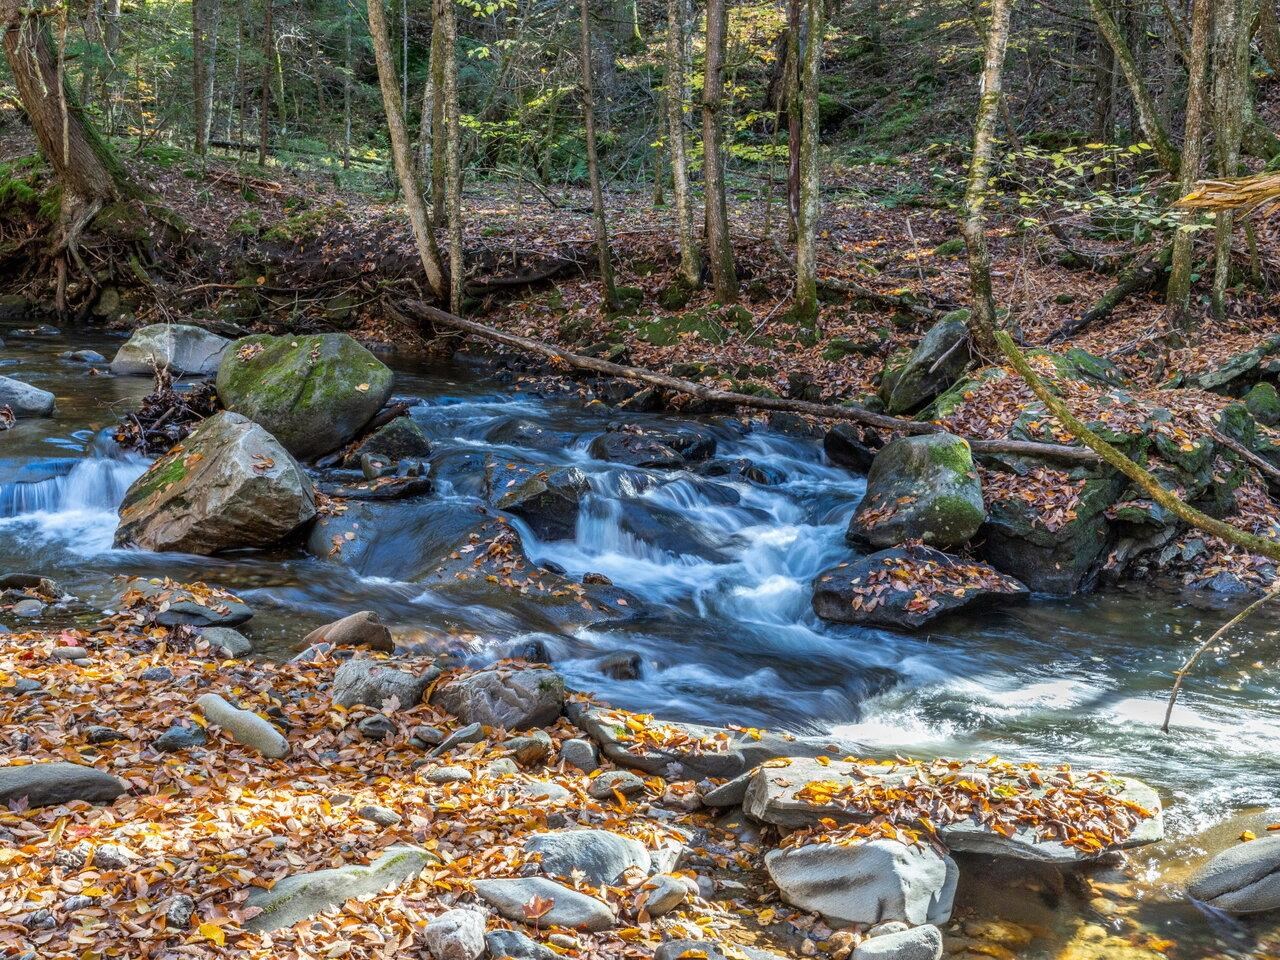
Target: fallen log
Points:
x,y
433,316
1140,278
892,301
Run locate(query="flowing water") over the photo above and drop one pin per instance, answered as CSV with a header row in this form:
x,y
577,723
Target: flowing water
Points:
x,y
721,569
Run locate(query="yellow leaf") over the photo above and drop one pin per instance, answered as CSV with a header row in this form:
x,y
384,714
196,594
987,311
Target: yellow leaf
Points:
x,y
1248,835
211,931
94,892
363,387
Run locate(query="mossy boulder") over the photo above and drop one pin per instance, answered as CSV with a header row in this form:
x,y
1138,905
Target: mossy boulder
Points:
x,y
920,488
1263,402
934,365
400,439
314,393
228,485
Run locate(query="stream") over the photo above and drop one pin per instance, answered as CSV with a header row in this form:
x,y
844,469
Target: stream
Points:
x,y
722,568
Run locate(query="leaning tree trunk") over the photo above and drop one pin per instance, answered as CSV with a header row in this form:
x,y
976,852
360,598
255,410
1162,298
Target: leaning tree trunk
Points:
x,y
593,165
677,96
719,247
983,311
402,154
806,309
1178,296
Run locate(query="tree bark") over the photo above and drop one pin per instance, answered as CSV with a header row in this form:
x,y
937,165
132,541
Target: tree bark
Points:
x,y
1231,31
806,308
264,106
1145,107
677,97
1269,34
982,320
593,165
453,154
719,247
401,154
794,108
204,26
435,84
1178,295
348,67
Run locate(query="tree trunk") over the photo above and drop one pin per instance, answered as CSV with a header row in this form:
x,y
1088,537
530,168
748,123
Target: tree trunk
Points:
x,y
204,26
1178,296
983,311
348,66
794,109
453,153
1269,34
1231,32
677,97
593,165
806,309
719,247
264,107
1148,116
401,154
439,162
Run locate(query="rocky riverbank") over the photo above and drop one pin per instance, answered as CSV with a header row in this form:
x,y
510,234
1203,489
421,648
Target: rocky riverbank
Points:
x,y
347,803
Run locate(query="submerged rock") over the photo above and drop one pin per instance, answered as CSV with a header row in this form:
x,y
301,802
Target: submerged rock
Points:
x,y
935,364
51,784
920,488
25,400
1244,879
867,882
653,449
569,908
178,347
907,587
512,699
229,485
313,392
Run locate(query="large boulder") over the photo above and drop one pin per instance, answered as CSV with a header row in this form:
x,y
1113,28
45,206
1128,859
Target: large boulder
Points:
x,y
920,488
314,392
228,485
935,364
512,699
867,882
601,856
51,784
549,503
24,400
178,347
1243,879
569,908
304,895
906,587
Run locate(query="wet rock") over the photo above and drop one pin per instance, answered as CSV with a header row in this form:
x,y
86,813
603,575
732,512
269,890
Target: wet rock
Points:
x,y
471,733
377,727
772,798
49,784
513,945
652,449
511,699
180,737
1243,879
382,816
178,347
935,364
528,434
363,629
920,943
622,665
549,503
920,488
229,485
298,897
530,750
602,857
866,882
613,782
314,392
664,893
847,445
82,356
364,680
231,643
25,400
742,469
399,439
28,608
579,753
244,726
179,911
456,935
849,593
569,908
44,331
172,605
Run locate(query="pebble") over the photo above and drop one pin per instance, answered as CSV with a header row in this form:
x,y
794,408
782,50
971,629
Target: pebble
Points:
x,y
581,754
70,653
382,816
446,774
424,736
178,913
623,781
156,674
180,737
563,940
377,727
78,902
27,608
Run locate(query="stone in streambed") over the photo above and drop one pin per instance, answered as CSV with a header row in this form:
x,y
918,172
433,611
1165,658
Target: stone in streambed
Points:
x,y
363,629
581,754
25,400
302,896
178,347
549,504
399,439
847,445
601,856
664,893
171,604
231,643
456,935
51,784
652,449
513,945
611,783
314,392
244,726
511,699
920,943
228,485
364,680
866,882
180,737
1244,879
569,908
920,488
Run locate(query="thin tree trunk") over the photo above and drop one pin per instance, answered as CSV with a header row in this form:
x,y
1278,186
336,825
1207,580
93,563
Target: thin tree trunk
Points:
x,y
1178,296
348,67
806,308
677,97
401,154
204,20
983,310
404,58
111,43
791,94
439,162
719,247
264,107
1269,34
453,155
1231,58
593,165
1148,116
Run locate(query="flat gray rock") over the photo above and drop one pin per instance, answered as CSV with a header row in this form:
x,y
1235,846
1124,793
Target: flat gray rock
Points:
x,y
569,908
773,796
1243,879
179,347
24,399
511,699
364,680
50,784
600,855
513,945
298,897
921,943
